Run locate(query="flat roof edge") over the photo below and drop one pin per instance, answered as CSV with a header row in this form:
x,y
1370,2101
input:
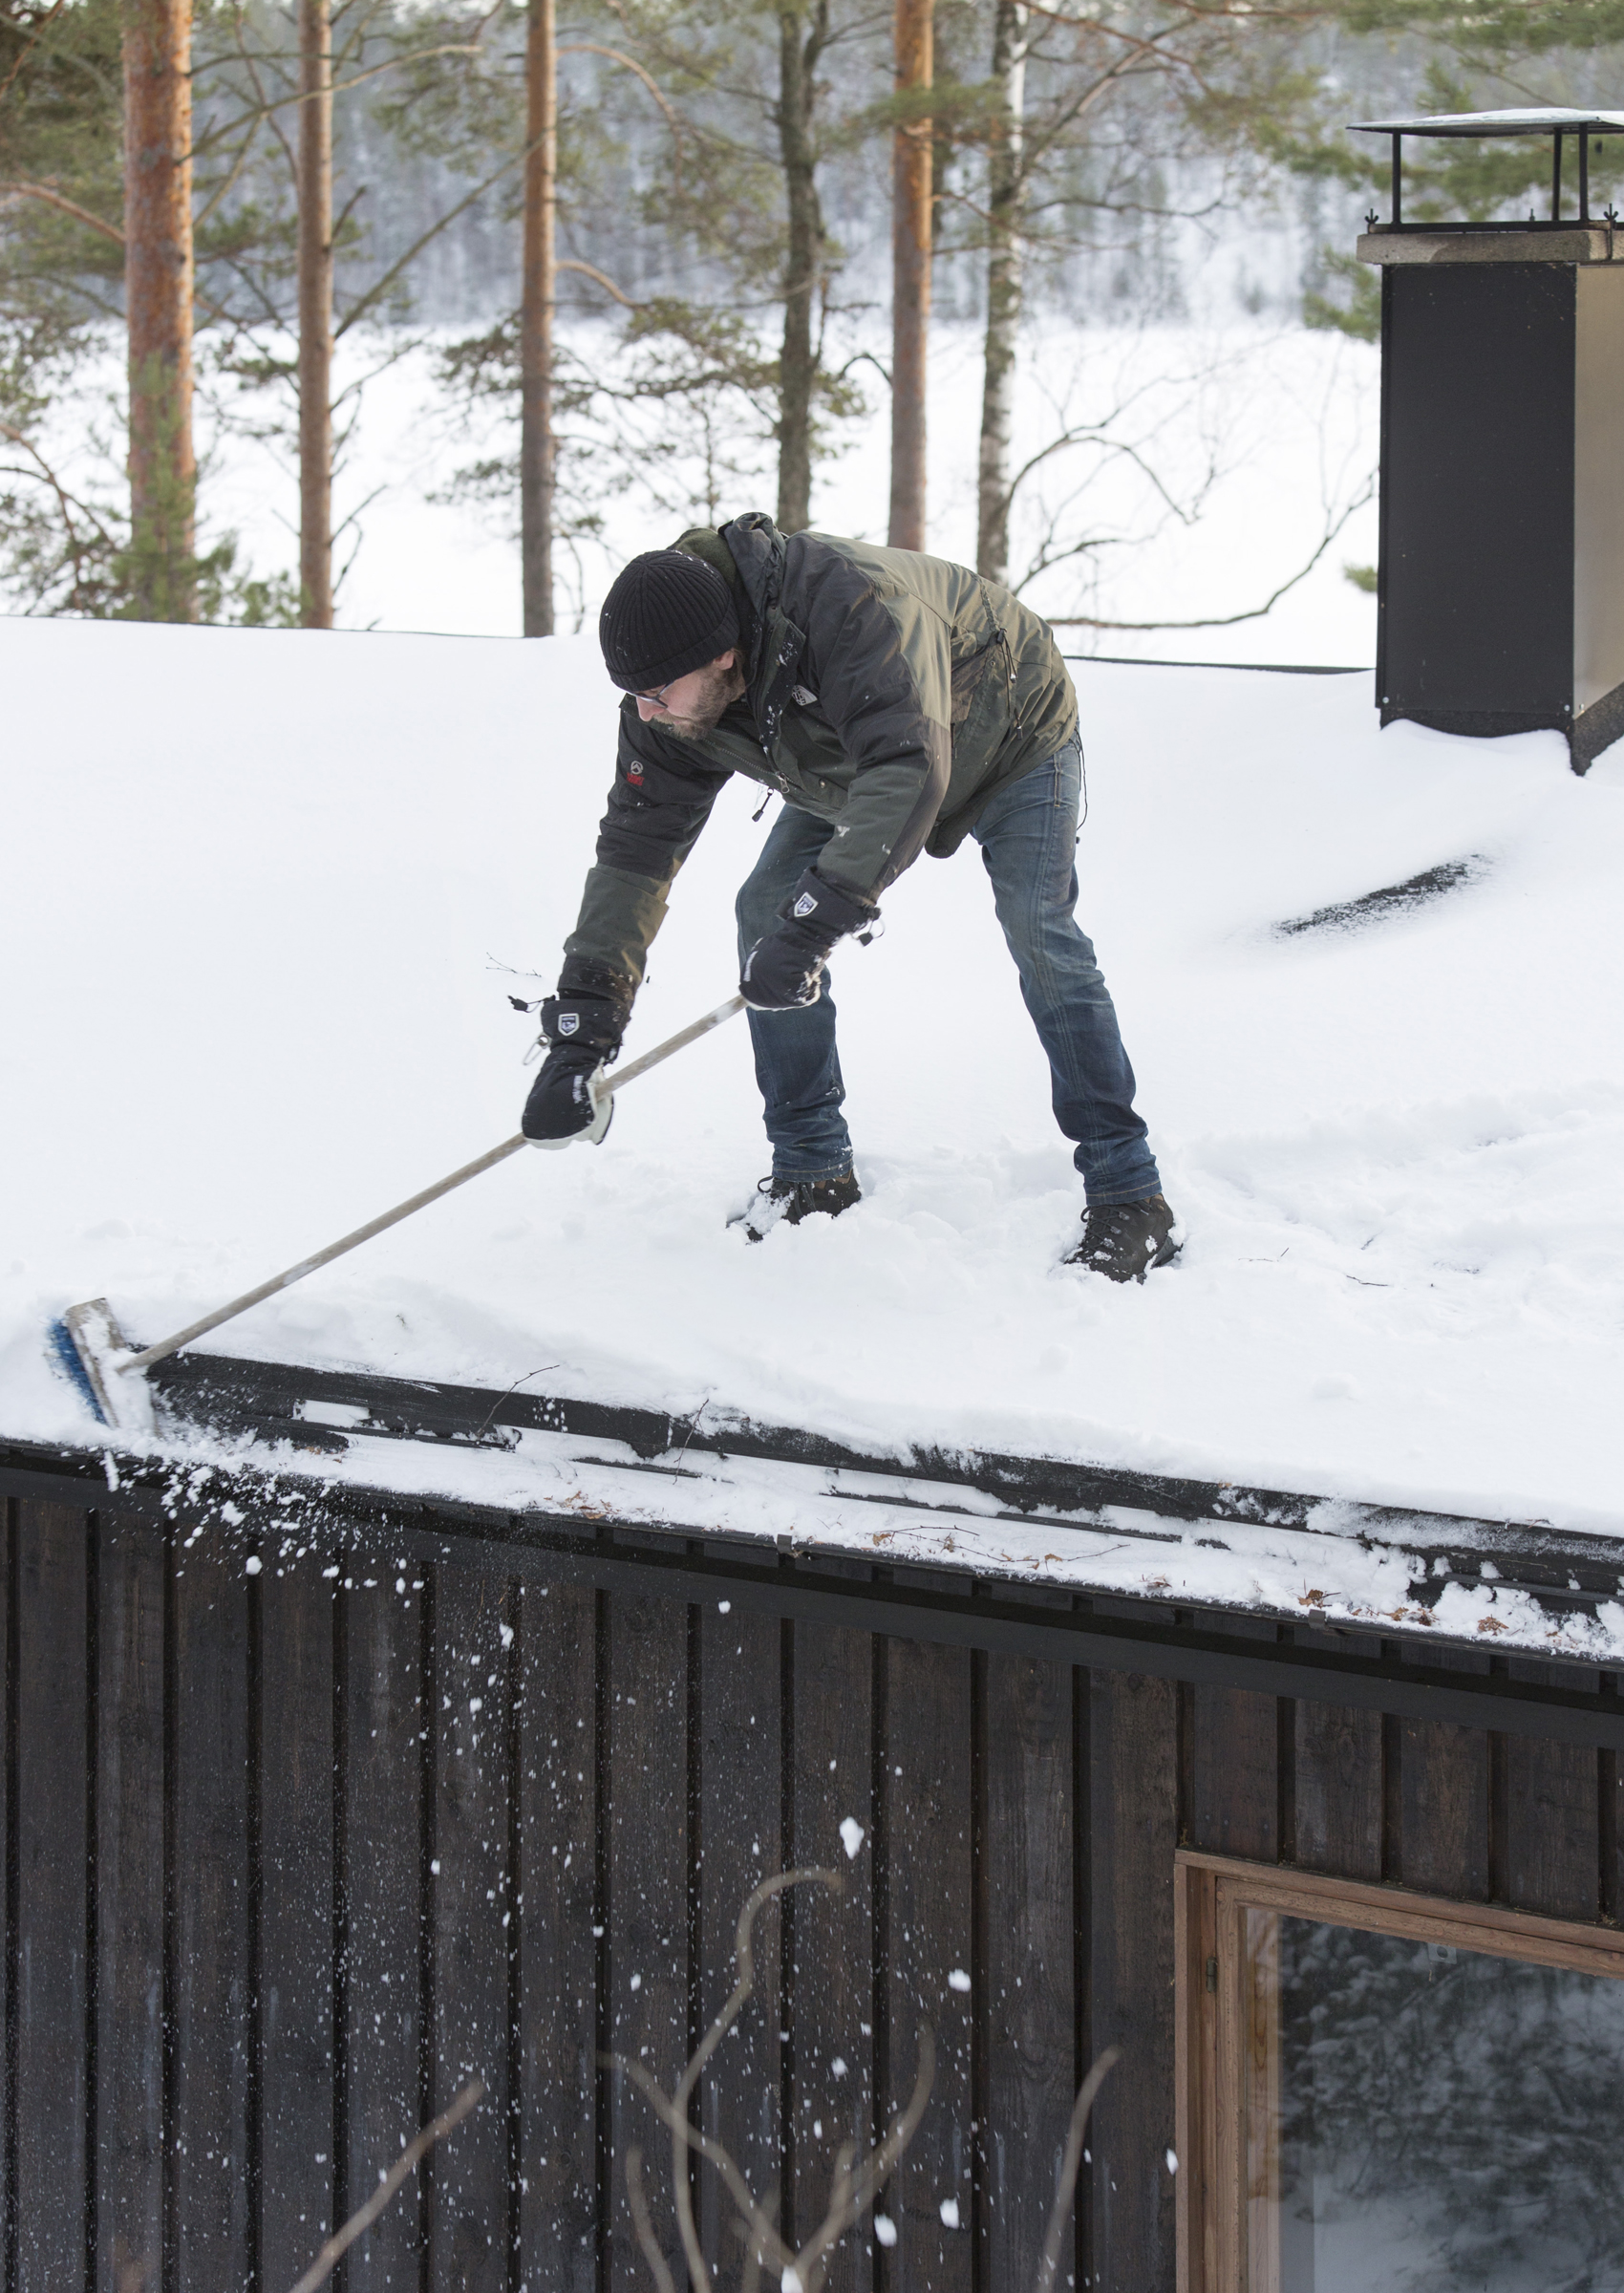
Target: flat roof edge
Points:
x,y
367,1447
1568,1701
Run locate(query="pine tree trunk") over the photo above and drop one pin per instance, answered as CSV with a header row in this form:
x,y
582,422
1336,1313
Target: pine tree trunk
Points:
x,y
911,281
157,291
538,294
1006,204
798,94
315,314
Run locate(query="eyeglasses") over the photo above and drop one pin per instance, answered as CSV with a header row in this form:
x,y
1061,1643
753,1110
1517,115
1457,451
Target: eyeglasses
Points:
x,y
659,699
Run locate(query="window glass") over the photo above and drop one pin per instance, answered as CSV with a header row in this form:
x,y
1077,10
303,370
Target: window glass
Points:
x,y
1424,2116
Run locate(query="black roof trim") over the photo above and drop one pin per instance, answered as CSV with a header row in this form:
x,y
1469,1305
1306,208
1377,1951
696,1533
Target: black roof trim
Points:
x,y
1562,1702
1564,1572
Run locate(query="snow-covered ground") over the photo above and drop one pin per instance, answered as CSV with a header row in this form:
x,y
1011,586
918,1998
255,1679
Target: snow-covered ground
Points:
x,y
260,888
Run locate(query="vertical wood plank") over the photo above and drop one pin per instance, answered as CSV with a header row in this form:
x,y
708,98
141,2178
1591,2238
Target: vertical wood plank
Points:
x,y
1234,1756
647,1730
1443,1799
833,2008
472,1906
297,2130
384,1718
210,2035
1553,1817
129,1886
1337,1780
558,1870
1027,1984
53,1852
740,1844
1133,1827
930,1885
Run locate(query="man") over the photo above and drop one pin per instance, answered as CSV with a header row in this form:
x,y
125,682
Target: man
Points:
x,y
898,704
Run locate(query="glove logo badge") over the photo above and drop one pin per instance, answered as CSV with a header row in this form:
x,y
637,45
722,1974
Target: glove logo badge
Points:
x,y
806,905
569,1022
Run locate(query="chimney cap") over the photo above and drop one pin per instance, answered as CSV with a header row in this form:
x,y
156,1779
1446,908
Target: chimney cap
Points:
x,y
1543,119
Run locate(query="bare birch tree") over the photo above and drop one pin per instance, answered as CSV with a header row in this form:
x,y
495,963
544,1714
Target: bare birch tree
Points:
x,y
315,314
1081,109
1006,252
537,297
912,223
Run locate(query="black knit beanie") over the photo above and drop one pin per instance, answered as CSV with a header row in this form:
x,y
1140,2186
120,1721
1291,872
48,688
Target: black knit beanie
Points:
x,y
668,612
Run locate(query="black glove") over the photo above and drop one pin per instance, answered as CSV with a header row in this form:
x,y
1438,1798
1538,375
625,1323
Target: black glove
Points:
x,y
784,970
559,1107
583,1031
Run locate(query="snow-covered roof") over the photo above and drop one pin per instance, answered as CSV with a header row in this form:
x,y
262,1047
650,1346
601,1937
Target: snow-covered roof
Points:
x,y
1537,119
263,888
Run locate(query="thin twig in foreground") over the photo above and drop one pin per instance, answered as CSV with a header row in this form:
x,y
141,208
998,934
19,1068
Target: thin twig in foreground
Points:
x,y
365,2216
643,2225
1066,2188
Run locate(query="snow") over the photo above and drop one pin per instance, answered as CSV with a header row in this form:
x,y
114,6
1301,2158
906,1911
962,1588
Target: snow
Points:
x,y
1261,434
261,889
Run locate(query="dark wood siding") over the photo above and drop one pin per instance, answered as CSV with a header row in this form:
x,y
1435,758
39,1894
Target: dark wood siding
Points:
x,y
290,1854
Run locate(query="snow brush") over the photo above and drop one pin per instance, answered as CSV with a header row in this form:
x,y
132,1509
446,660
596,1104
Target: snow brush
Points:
x,y
108,1370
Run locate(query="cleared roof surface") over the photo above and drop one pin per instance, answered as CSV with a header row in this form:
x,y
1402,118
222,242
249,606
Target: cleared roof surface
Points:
x,y
1543,119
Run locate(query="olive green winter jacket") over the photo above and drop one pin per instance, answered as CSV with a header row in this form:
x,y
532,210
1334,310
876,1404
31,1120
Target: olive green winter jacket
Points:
x,y
889,692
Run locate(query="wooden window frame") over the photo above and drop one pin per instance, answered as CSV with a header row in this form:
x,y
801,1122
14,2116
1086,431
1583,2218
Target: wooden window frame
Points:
x,y
1212,1894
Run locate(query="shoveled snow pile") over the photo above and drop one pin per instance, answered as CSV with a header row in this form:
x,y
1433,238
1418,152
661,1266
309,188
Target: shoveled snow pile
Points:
x,y
262,888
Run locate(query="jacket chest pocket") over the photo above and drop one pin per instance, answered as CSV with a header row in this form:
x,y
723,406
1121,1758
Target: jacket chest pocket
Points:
x,y
981,710
968,678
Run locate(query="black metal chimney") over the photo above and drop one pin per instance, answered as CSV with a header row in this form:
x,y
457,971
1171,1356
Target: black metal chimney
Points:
x,y
1501,584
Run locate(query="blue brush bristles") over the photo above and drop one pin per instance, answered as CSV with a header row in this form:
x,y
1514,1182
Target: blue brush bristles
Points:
x,y
68,1355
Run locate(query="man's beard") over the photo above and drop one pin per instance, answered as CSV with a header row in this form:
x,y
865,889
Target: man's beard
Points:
x,y
720,689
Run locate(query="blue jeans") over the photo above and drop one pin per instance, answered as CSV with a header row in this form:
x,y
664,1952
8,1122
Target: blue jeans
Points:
x,y
1028,839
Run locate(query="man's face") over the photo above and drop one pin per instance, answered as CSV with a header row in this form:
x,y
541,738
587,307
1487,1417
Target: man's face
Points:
x,y
693,705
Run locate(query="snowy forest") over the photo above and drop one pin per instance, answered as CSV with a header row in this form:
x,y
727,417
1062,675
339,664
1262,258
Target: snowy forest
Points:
x,y
620,266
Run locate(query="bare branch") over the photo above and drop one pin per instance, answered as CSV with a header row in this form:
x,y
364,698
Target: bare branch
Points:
x,y
1253,612
29,40
617,56
1066,2187
380,287
688,2138
744,1959
850,2192
644,2227
68,207
67,503
365,2216
673,2110
268,110
228,182
281,103
1202,13
590,272
130,2273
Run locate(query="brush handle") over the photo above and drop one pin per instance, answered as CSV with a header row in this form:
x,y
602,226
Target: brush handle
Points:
x,y
418,1201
